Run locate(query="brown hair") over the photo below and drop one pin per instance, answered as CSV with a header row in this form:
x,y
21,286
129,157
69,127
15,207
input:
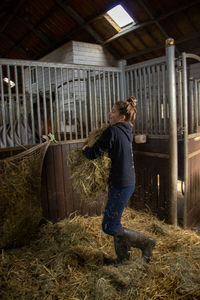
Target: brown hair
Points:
x,y
127,108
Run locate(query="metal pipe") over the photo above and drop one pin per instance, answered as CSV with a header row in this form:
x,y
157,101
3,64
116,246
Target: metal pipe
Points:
x,y
63,105
159,129
100,100
122,64
3,106
196,106
191,106
185,115
170,54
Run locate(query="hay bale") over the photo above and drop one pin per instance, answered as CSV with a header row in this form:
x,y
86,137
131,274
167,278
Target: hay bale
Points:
x,y
65,261
89,177
20,202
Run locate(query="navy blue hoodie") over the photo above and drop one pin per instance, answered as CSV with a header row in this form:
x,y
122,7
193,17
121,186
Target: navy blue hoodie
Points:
x,y
117,141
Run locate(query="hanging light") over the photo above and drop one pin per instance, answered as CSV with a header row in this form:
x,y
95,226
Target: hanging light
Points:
x,y
8,81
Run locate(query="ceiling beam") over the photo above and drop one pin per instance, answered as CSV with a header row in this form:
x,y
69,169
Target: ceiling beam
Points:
x,y
12,13
152,16
74,15
36,31
144,4
131,28
12,43
162,46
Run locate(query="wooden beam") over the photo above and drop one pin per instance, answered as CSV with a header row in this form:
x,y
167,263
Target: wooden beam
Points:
x,y
36,31
162,46
12,43
12,13
70,11
131,28
148,10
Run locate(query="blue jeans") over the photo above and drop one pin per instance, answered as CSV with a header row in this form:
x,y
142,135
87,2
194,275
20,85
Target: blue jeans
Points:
x,y
117,200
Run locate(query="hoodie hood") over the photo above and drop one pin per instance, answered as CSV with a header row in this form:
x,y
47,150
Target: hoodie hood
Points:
x,y
126,129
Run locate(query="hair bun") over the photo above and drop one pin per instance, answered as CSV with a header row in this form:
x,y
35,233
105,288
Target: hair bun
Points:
x,y
132,100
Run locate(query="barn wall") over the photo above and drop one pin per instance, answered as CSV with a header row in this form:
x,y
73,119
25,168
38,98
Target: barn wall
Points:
x,y
81,53
152,177
195,70
58,197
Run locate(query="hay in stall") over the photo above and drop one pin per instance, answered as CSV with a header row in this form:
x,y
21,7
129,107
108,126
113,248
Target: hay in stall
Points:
x,y
89,177
65,262
20,202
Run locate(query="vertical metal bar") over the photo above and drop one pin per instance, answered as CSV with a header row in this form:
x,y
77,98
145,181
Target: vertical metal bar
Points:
x,y
31,121
138,101
51,102
24,107
198,101
150,101
85,102
196,106
90,101
113,90
180,99
63,105
146,105
118,87
109,92
38,103
44,103
95,100
122,64
164,100
141,102
154,103
69,104
10,108
170,54
131,84
185,115
80,104
191,106
57,106
3,107
100,100
158,99
127,81
19,133
105,98
74,102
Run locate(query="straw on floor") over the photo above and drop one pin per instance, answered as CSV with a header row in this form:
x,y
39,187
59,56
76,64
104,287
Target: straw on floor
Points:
x,y
65,261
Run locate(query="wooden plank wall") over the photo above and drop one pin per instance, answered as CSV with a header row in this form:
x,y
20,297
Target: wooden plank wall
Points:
x,y
59,199
193,194
152,178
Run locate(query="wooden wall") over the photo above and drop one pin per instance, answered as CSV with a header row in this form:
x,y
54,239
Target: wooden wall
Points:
x,y
152,178
193,188
59,199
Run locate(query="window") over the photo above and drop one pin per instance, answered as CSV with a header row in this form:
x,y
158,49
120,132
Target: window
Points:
x,y
120,16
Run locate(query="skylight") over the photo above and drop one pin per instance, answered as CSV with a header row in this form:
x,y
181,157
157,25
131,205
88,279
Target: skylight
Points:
x,y
120,16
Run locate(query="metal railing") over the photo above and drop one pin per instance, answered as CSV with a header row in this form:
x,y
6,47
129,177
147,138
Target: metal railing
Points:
x,y
64,99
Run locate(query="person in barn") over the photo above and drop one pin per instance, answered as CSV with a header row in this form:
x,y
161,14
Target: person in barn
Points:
x,y
117,141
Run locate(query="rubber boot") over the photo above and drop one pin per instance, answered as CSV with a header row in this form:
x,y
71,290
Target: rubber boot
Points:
x,y
122,251
135,239
121,248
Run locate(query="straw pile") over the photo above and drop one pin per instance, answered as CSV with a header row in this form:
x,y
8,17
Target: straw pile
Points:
x,y
65,262
20,203
89,177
